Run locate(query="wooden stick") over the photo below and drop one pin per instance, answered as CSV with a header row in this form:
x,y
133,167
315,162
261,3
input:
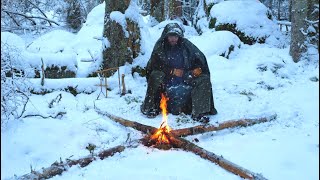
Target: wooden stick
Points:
x,y
42,73
58,167
105,70
227,124
119,81
135,125
178,142
123,86
222,162
106,84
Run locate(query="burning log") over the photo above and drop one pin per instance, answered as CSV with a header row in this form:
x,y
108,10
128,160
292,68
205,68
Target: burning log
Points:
x,y
165,138
177,142
227,124
58,167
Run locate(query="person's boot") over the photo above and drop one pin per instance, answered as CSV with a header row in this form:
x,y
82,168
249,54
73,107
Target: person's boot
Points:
x,y
201,118
152,113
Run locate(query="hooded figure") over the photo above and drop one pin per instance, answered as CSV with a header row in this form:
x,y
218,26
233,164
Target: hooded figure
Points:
x,y
178,69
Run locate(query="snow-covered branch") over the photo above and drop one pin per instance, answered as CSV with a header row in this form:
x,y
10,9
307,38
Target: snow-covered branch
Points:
x,y
31,17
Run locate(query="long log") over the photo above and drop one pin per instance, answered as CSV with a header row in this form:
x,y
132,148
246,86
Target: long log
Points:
x,y
227,124
135,125
58,167
222,162
177,142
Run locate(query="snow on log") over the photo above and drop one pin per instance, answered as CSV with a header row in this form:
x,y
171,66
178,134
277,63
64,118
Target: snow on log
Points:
x,y
227,124
58,167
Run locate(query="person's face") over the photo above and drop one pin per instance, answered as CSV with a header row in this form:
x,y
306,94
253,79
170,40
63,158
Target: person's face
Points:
x,y
173,40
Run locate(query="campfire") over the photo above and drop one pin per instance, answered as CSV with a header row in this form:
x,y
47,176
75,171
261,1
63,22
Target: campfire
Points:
x,y
161,138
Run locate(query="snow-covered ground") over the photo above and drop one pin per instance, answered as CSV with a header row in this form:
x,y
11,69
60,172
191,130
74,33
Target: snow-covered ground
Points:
x,y
256,81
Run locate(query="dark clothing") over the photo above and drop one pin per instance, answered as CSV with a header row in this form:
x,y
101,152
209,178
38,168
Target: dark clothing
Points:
x,y
195,93
179,98
175,61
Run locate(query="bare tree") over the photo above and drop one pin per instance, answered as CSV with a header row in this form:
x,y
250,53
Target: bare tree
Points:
x,y
14,85
25,14
305,29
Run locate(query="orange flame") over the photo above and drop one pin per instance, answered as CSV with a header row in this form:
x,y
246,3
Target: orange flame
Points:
x,y
163,107
164,127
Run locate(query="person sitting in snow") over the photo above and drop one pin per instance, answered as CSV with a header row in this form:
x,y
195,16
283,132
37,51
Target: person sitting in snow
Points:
x,y
178,69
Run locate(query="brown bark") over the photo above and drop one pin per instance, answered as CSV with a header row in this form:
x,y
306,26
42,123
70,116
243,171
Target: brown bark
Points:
x,y
177,142
222,162
122,48
157,9
227,124
58,167
174,9
135,125
134,38
298,24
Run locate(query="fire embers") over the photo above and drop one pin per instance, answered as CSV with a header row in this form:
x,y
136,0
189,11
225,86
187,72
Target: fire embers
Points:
x,y
160,138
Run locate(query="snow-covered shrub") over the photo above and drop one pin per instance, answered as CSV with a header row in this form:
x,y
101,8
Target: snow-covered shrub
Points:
x,y
249,20
52,42
201,15
55,65
14,85
222,43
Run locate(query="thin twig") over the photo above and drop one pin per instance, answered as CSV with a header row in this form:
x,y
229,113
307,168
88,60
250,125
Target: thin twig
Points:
x,y
45,117
31,17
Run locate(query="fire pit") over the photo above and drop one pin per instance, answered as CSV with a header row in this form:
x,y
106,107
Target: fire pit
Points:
x,y
161,138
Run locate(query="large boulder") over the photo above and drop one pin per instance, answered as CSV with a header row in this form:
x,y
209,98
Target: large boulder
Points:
x,y
222,43
250,20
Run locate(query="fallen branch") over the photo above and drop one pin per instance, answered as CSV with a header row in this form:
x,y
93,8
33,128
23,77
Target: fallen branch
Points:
x,y
55,100
222,162
135,125
45,117
227,124
58,167
177,142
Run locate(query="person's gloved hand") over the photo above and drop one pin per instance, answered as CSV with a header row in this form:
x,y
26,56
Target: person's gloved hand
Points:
x,y
196,72
177,72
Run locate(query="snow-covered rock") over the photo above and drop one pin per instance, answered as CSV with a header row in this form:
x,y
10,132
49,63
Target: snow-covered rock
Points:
x,y
250,20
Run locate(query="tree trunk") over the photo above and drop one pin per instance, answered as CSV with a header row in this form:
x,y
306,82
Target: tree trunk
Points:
x,y
290,10
181,143
222,162
174,9
58,167
298,26
227,124
313,23
279,10
157,9
304,29
127,123
191,130
123,47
